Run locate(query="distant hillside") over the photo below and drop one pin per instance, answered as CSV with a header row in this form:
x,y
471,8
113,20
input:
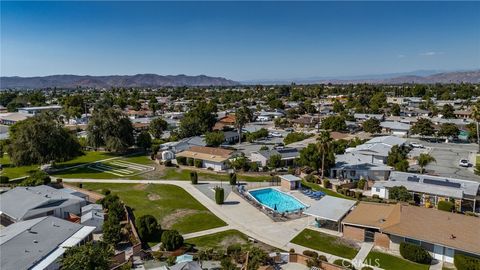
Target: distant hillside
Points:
x,y
139,80
425,76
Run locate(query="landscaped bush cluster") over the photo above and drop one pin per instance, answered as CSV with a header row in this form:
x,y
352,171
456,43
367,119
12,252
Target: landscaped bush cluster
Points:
x,y
415,253
148,228
190,161
344,263
4,179
361,183
310,253
112,230
172,240
326,183
36,178
198,163
446,206
464,262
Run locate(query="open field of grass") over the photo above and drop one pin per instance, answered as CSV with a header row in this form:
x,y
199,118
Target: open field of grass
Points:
x,y
111,169
184,174
390,262
11,171
324,190
326,243
173,207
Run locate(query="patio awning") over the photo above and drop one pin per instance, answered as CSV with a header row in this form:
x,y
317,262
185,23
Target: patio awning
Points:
x,y
330,208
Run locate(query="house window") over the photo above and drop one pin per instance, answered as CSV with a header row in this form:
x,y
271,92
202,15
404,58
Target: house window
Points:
x,y
413,241
377,189
352,173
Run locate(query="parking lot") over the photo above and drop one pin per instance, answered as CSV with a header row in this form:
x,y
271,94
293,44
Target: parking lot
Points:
x,y
448,156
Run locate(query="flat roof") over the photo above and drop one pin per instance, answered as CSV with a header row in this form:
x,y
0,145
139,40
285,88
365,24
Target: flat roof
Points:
x,y
330,208
290,177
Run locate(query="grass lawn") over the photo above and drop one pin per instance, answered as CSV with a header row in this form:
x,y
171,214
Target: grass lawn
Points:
x,y
220,240
11,171
183,174
86,172
325,190
390,262
326,243
173,207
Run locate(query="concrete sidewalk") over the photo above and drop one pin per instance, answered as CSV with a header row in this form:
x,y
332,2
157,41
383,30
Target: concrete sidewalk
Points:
x,y
364,250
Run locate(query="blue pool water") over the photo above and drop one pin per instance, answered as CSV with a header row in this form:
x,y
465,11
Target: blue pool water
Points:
x,y
276,200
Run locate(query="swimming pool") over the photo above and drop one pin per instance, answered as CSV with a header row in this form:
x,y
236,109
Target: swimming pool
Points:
x,y
277,200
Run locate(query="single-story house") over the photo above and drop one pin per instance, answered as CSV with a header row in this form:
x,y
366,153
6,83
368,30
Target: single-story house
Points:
x,y
290,182
39,109
23,203
355,166
443,234
211,157
288,155
428,190
13,117
94,219
377,148
395,128
40,243
183,144
305,121
360,117
226,121
231,137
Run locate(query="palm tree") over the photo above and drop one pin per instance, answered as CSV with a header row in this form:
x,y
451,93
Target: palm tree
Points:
x,y
476,117
242,116
324,141
425,159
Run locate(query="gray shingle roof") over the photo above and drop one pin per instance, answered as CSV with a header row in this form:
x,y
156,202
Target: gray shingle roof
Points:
x,y
423,183
356,161
26,243
23,202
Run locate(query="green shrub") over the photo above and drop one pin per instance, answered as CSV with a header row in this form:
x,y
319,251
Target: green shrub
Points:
x,y
323,258
172,240
310,178
106,191
190,161
446,206
292,250
198,163
168,163
194,178
4,179
326,183
313,262
344,263
361,183
148,228
233,178
59,180
219,195
358,195
181,160
415,253
464,262
234,249
36,178
310,253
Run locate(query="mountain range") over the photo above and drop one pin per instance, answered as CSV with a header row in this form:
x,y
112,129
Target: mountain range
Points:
x,y
154,80
139,80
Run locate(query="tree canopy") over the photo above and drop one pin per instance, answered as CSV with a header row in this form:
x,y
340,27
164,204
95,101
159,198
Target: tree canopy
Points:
x,y
157,127
214,138
334,123
423,127
111,129
198,120
41,139
372,125
89,256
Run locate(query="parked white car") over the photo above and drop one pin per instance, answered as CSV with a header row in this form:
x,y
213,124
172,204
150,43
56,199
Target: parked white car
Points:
x,y
416,145
275,134
464,163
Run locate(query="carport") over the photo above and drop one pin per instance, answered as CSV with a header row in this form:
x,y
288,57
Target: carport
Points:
x,y
329,211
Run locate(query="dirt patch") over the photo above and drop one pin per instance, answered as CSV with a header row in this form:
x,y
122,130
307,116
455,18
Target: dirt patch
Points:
x,y
172,218
140,187
230,240
153,196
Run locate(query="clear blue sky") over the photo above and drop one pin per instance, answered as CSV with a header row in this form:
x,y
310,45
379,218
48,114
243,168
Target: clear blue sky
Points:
x,y
238,40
